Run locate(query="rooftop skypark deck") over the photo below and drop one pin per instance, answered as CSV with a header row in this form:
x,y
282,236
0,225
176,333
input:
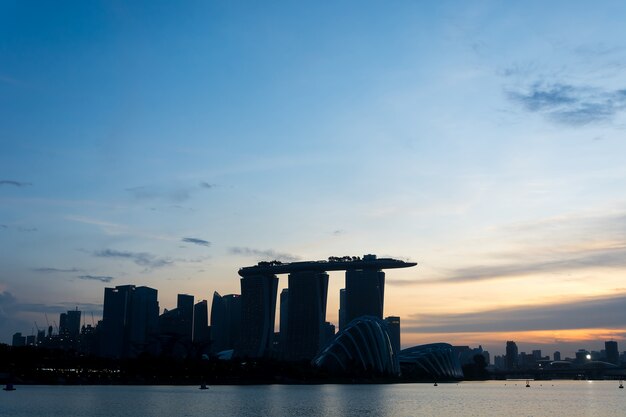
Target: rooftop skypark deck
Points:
x,y
334,263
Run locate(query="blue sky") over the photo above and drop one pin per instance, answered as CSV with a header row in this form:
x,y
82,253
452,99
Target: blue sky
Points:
x,y
169,144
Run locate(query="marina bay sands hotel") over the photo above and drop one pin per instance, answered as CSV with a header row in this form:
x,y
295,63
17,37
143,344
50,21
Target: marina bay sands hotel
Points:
x,y
303,303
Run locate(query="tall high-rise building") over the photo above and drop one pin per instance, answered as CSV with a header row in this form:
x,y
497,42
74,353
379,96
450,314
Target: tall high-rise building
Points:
x,y
73,323
308,291
393,328
557,356
176,326
115,314
326,334
225,322
342,309
511,355
612,353
142,322
284,313
185,307
129,320
365,293
258,311
63,324
201,323
69,323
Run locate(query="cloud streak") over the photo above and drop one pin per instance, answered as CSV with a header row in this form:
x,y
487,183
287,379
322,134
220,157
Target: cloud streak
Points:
x,y
172,193
196,241
592,312
47,270
569,104
100,278
600,258
557,246
140,258
266,254
13,183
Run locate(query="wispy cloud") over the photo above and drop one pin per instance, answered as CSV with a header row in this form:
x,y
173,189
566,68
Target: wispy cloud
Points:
x,y
591,312
27,229
148,192
48,270
265,254
175,193
15,183
557,245
404,282
569,104
100,278
57,307
196,241
140,258
560,262
3,226
115,229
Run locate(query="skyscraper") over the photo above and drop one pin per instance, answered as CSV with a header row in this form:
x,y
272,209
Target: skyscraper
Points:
x,y
612,353
557,356
225,322
342,309
365,293
201,323
258,311
284,313
115,313
306,314
129,320
511,355
142,320
185,307
393,328
73,323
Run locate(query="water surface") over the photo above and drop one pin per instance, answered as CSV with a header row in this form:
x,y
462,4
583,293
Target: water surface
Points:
x,y
492,398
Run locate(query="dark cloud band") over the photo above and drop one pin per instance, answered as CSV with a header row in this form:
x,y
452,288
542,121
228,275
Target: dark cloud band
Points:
x,y
196,241
140,258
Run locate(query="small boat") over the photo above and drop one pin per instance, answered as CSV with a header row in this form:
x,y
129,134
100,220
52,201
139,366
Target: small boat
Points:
x,y
203,386
9,387
435,384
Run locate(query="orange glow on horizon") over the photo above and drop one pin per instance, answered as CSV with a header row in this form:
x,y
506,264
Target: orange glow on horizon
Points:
x,y
534,337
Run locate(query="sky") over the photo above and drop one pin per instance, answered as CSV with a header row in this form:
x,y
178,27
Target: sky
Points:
x,y
168,144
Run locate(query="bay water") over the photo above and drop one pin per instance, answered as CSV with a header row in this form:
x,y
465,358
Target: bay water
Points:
x,y
490,398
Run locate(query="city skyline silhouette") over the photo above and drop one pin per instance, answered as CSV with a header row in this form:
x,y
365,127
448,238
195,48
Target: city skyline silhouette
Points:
x,y
166,145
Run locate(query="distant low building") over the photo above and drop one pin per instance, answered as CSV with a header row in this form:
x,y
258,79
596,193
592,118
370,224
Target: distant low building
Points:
x,y
19,340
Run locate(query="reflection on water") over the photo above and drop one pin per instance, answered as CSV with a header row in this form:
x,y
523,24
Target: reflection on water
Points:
x,y
493,398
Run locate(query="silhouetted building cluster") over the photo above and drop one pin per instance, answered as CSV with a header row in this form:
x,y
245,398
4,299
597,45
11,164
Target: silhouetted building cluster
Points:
x,y
514,361
240,325
243,326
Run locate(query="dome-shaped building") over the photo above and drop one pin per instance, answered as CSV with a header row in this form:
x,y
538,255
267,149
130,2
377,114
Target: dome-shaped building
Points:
x,y
363,347
435,361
